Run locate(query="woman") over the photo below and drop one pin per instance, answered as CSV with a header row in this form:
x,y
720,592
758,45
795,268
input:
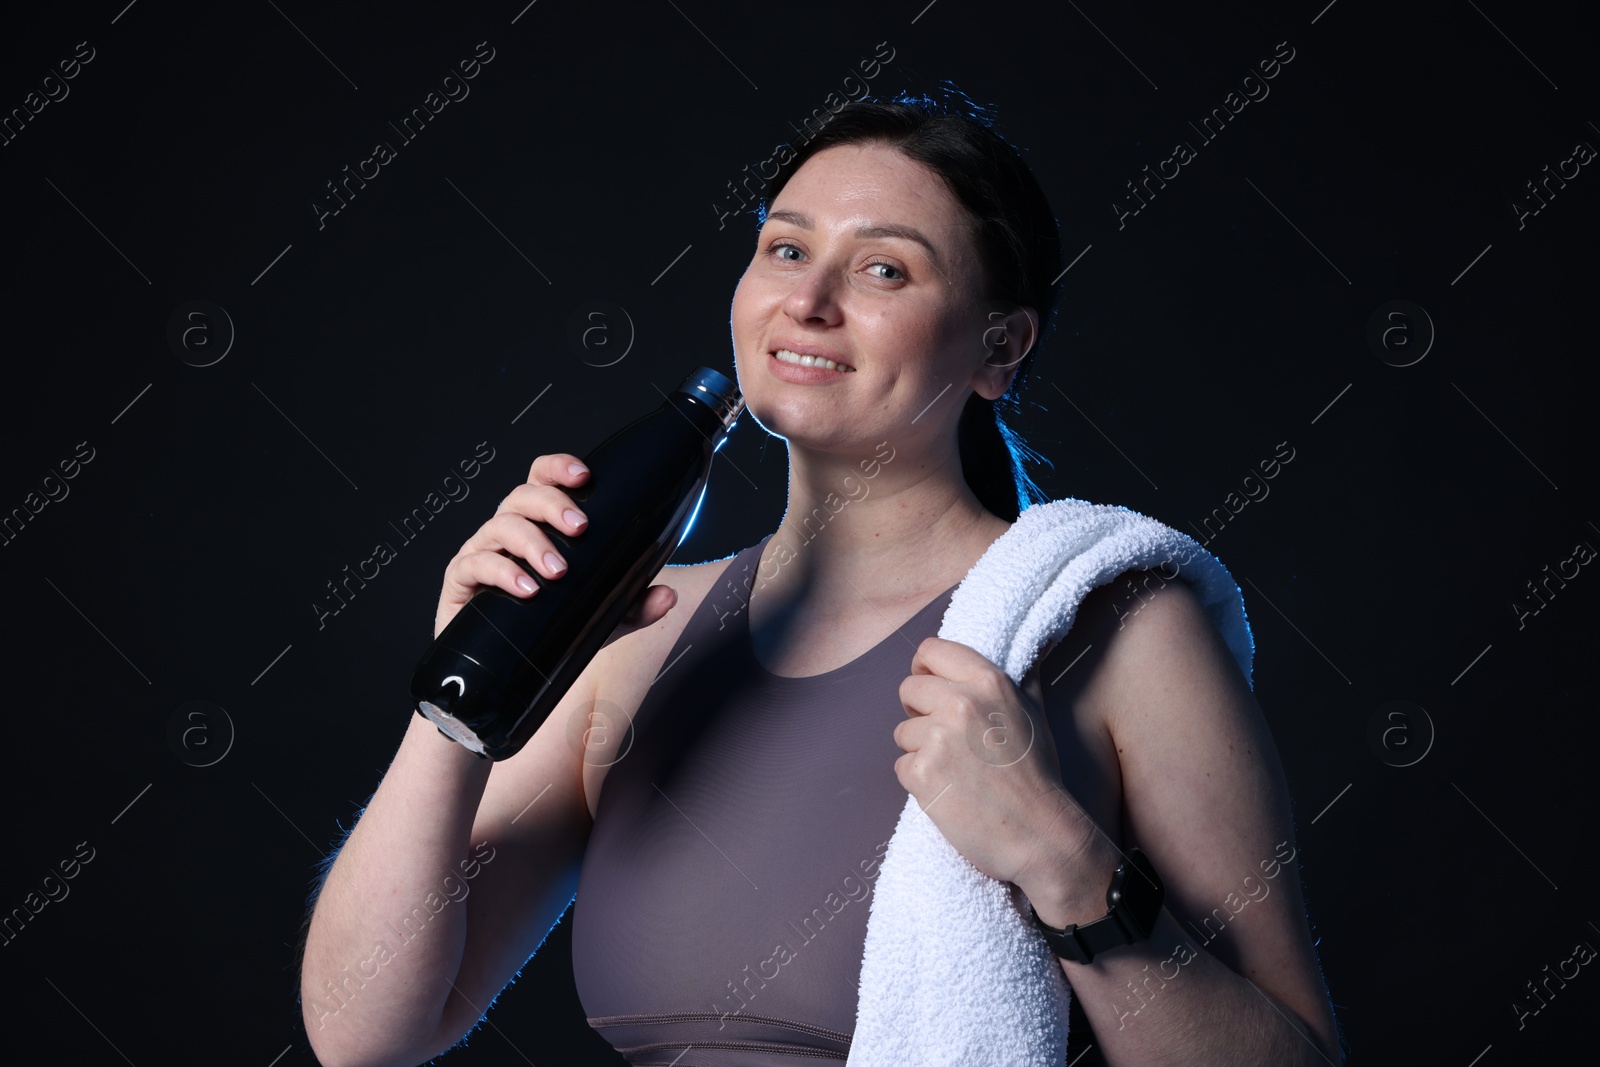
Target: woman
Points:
x,y
755,725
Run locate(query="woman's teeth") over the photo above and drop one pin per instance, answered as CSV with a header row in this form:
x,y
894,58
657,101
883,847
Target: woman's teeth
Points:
x,y
786,356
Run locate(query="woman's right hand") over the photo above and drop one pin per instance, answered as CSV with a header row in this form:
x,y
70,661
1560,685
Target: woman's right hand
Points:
x,y
486,558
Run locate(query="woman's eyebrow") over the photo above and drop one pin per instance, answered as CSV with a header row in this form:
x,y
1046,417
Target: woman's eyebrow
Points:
x,y
908,233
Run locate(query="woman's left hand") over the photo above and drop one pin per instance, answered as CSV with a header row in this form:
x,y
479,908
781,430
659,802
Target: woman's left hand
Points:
x,y
982,763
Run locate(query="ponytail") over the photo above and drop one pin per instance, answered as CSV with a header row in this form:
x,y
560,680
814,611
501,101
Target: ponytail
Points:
x,y
992,454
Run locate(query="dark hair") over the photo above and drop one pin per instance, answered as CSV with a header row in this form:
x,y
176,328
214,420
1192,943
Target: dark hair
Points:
x,y
1015,233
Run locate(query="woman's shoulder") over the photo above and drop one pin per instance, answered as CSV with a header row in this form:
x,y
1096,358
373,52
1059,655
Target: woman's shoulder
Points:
x,y
704,573
1167,578
1145,626
693,582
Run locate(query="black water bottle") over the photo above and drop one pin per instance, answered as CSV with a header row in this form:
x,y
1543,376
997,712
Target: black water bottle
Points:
x,y
499,668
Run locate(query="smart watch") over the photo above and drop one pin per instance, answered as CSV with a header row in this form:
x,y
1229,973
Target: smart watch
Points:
x,y
1134,903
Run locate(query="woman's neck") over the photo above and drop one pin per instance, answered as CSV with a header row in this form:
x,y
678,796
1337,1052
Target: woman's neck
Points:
x,y
889,530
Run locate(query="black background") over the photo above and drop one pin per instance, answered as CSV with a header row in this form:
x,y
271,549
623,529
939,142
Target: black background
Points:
x,y
374,353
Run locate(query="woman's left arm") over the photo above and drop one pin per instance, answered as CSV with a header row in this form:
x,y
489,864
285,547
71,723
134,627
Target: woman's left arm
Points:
x,y
1236,981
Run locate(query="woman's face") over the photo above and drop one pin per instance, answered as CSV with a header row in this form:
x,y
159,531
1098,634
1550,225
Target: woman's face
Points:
x,y
866,259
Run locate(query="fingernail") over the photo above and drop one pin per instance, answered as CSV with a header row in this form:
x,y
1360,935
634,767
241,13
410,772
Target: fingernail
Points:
x,y
576,468
553,561
573,518
525,583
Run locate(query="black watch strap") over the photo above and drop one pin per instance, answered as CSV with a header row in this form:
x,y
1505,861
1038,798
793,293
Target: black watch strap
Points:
x,y
1133,902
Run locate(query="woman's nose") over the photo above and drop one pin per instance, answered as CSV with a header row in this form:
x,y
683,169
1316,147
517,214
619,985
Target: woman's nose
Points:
x,y
815,297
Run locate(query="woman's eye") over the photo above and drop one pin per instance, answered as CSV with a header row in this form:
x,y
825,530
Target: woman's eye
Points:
x,y
789,253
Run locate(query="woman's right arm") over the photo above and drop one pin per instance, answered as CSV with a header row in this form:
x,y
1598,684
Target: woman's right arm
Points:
x,y
458,866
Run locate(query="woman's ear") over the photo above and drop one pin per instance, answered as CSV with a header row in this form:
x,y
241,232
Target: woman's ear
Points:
x,y
1007,338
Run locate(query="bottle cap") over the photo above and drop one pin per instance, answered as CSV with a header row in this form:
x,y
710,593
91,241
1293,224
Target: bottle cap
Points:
x,y
717,392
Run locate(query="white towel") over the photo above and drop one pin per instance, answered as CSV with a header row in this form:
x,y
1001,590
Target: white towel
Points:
x,y
953,971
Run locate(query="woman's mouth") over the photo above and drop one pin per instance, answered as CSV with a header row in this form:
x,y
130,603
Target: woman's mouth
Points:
x,y
783,355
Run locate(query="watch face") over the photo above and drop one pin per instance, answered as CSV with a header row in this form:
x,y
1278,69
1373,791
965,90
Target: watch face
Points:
x,y
1138,893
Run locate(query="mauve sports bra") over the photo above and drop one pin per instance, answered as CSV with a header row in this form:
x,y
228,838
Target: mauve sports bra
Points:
x,y
721,909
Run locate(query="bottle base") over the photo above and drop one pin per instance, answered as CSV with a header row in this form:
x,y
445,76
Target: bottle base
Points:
x,y
451,726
